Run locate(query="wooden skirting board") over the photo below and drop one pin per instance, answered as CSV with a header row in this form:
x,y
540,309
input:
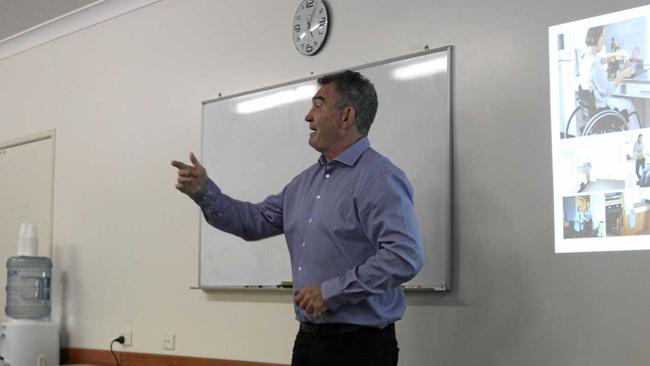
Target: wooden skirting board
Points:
x,y
105,358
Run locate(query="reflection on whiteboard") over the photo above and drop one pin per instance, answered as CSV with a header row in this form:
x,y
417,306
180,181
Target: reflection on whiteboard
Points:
x,y
600,99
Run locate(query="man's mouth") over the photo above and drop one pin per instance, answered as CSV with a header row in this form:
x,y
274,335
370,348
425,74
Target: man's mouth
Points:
x,y
313,131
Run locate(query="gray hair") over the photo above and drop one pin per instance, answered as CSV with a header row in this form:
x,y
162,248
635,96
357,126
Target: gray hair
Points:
x,y
356,91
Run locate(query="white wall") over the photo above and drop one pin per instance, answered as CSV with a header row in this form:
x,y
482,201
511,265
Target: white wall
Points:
x,y
124,97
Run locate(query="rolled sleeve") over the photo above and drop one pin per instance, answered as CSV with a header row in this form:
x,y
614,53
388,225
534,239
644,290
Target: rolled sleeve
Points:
x,y
331,291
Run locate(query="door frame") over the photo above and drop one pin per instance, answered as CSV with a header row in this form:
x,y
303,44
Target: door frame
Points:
x,y
36,137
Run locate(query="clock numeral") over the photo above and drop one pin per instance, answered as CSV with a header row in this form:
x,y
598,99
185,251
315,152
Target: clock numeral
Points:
x,y
310,3
322,22
320,31
309,48
296,27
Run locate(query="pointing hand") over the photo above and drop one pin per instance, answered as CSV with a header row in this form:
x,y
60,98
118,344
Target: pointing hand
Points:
x,y
191,178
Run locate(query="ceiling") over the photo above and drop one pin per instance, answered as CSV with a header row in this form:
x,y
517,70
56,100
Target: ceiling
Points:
x,y
19,15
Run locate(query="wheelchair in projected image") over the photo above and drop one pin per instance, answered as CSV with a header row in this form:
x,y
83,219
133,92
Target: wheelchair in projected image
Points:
x,y
591,120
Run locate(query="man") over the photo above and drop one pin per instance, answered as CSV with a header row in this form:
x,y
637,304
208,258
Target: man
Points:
x,y
350,227
578,223
587,222
639,156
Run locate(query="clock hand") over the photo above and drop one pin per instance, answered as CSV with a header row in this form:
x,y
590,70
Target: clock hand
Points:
x,y
303,34
308,28
310,18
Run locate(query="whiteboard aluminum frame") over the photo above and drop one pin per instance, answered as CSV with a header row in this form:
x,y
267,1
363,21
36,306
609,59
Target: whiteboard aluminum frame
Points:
x,y
448,246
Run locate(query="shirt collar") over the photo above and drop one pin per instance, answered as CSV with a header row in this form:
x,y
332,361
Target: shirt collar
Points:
x,y
350,156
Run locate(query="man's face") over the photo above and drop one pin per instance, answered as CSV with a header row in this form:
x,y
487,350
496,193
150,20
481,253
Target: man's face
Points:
x,y
325,120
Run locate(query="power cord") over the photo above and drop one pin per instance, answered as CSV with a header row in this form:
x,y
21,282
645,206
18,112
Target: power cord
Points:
x,y
119,340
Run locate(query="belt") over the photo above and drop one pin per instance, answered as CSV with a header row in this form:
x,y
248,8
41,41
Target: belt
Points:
x,y
337,328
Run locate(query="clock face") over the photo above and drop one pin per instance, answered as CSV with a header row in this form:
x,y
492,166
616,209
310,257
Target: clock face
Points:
x,y
310,26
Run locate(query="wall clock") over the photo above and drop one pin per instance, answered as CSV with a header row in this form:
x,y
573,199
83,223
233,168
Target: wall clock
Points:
x,y
310,25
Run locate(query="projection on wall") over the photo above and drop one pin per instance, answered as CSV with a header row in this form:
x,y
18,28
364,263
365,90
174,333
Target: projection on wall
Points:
x,y
600,117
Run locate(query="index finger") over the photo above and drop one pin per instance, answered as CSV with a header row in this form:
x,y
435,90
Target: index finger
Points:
x,y
180,165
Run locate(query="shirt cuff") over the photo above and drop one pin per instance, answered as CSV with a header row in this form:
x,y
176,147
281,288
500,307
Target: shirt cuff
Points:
x,y
331,292
208,193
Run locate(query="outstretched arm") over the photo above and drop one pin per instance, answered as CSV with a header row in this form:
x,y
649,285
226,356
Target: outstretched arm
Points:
x,y
244,219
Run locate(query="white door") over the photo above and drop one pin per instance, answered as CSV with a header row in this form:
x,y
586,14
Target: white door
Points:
x,y
26,195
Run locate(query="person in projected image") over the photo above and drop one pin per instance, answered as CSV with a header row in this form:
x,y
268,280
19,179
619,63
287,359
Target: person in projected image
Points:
x,y
639,156
644,180
593,76
578,221
587,222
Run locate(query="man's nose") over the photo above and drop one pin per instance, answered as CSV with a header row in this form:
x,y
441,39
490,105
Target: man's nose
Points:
x,y
308,117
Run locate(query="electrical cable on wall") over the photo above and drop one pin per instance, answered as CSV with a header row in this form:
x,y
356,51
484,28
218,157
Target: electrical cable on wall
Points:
x,y
119,340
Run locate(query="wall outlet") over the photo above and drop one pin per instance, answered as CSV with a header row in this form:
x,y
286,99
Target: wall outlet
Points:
x,y
128,338
169,341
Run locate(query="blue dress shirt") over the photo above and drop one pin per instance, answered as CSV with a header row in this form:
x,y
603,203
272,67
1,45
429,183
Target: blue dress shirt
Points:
x,y
349,224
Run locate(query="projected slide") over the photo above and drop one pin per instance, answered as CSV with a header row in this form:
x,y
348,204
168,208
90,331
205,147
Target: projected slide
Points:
x,y
600,123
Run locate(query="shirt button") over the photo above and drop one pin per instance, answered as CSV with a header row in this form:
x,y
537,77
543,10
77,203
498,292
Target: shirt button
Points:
x,y
299,269
310,220
327,175
303,244
318,197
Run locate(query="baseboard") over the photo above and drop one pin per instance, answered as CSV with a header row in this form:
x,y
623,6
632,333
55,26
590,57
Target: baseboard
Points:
x,y
105,358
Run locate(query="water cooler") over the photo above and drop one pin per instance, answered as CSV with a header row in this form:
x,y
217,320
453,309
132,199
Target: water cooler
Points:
x,y
29,337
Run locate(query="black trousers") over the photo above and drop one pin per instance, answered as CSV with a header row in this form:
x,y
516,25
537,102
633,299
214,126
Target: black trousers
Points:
x,y
640,165
341,345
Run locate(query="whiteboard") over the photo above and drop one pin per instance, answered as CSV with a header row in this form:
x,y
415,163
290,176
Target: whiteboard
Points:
x,y
253,154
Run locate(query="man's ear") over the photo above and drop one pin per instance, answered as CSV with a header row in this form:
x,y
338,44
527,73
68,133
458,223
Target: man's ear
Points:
x,y
348,117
